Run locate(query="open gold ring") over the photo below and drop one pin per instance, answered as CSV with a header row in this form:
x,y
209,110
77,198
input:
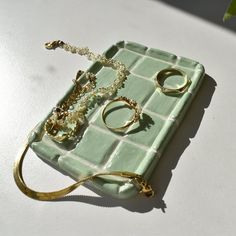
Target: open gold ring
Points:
x,y
164,74
131,105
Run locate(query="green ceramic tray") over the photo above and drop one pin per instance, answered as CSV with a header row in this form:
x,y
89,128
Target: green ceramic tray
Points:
x,y
98,149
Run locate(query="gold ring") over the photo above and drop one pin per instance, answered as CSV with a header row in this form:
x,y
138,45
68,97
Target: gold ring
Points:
x,y
163,74
131,105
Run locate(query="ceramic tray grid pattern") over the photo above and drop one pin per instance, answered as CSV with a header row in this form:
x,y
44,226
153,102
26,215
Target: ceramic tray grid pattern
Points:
x,y
138,151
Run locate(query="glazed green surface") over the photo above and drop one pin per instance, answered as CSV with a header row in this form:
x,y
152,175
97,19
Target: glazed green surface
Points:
x,y
139,149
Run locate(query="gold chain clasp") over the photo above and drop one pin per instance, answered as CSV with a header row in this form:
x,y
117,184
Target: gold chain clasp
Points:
x,y
54,44
140,182
145,188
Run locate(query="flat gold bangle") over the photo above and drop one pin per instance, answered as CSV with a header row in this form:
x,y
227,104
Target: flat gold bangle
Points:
x,y
141,184
131,105
163,74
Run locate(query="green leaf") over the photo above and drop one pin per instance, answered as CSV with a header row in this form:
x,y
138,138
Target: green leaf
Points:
x,y
231,11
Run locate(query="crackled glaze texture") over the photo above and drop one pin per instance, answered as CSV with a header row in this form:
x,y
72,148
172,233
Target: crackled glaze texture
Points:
x,y
139,150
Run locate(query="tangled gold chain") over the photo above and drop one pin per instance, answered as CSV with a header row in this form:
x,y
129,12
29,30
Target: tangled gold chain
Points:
x,y
64,122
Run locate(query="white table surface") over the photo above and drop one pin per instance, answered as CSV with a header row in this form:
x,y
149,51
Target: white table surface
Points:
x,y
195,180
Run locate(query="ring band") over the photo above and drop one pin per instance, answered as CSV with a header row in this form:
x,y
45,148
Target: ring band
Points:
x,y
163,74
131,105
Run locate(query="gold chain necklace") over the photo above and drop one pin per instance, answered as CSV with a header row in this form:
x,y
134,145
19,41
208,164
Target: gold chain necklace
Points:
x,y
64,122
65,114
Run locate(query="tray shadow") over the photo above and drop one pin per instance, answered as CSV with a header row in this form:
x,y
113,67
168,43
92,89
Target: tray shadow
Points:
x,y
211,10
162,175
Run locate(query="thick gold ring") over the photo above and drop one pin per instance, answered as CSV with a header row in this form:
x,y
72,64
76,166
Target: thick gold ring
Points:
x,y
163,74
131,105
